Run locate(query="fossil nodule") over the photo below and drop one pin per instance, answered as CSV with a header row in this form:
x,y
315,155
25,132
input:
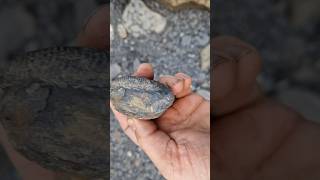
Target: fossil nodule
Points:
x,y
140,98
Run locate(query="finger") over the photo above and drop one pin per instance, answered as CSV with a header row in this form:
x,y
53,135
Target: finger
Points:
x,y
154,142
96,31
180,84
177,116
187,80
145,70
144,133
234,77
124,124
174,83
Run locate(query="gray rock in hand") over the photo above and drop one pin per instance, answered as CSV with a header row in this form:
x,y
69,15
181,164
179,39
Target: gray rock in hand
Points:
x,y
140,98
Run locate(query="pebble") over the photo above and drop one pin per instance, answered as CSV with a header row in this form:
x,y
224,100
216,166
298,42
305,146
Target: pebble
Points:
x,y
122,31
111,34
205,58
115,69
140,20
129,153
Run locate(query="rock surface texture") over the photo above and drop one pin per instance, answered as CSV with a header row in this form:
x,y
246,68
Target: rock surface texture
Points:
x,y
53,108
140,98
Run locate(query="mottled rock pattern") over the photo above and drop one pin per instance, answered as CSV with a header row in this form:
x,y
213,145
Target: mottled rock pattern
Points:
x,y
139,97
54,111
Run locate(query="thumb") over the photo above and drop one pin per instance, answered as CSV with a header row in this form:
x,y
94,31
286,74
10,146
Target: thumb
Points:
x,y
154,142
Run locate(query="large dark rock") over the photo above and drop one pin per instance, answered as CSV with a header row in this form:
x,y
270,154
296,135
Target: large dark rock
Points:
x,y
53,107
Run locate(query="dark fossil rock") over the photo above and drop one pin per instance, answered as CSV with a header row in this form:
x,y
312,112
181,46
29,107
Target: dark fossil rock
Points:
x,y
53,108
139,97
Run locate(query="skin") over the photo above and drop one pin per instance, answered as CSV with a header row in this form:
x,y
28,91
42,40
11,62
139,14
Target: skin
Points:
x,y
178,142
255,137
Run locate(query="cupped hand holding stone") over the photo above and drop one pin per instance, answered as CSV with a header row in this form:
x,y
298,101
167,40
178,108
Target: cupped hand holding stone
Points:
x,y
178,142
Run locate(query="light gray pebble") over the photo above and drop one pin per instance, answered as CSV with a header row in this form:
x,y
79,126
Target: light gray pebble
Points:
x,y
115,69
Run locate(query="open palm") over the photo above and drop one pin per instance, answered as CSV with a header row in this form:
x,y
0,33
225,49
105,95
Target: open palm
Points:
x,y
178,142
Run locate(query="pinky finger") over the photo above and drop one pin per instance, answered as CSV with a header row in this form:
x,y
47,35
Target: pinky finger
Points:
x,y
187,81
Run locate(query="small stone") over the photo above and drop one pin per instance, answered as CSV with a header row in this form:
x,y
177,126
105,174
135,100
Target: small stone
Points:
x,y
140,20
111,34
122,32
140,98
205,58
115,69
204,93
129,154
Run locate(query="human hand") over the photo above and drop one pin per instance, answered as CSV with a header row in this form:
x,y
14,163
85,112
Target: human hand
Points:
x,y
178,142
256,137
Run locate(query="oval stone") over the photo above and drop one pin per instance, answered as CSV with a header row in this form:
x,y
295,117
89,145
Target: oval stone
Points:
x,y
139,97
